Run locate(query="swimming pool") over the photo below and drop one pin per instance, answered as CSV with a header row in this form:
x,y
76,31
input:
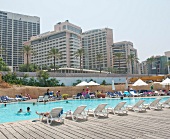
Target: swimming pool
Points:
x,y
9,113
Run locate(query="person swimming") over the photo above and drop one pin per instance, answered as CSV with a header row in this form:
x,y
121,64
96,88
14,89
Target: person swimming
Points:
x,y
28,110
20,111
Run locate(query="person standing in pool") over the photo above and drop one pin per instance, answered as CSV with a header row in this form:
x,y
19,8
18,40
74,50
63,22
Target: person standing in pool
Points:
x,y
28,110
20,110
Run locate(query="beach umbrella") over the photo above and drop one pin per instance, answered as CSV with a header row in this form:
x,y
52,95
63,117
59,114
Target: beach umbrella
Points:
x,y
113,85
139,82
166,82
91,83
83,83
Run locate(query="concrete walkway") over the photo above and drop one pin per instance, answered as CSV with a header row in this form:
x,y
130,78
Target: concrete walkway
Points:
x,y
149,125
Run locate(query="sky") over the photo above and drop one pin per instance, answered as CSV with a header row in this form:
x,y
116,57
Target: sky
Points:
x,y
146,23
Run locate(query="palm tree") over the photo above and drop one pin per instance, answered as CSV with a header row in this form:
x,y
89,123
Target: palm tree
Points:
x,y
55,54
27,51
99,58
34,53
79,54
149,62
118,56
130,60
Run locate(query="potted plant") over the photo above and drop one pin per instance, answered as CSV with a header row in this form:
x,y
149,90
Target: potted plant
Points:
x,y
65,96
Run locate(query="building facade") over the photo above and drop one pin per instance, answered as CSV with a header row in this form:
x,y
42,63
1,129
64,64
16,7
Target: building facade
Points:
x,y
66,37
14,30
95,42
144,67
122,63
167,54
158,66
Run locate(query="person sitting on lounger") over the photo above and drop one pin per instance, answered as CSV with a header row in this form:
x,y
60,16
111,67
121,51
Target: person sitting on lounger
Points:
x,y
43,113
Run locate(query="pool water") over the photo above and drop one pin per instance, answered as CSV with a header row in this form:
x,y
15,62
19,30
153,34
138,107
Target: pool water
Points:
x,y
9,113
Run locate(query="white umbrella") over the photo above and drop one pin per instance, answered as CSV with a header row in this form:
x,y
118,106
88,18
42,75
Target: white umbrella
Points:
x,y
113,85
83,83
139,82
91,83
166,82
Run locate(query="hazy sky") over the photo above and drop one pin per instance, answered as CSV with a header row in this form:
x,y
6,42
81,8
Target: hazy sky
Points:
x,y
146,23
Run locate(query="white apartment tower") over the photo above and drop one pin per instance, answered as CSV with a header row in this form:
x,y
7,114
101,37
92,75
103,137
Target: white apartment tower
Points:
x,y
94,42
14,30
66,37
124,64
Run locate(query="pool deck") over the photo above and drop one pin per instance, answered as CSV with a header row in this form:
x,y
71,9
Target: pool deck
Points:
x,y
148,125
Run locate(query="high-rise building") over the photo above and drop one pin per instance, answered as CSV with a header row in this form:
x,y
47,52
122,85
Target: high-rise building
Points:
x,y
167,54
66,37
158,65
14,30
94,42
123,63
144,67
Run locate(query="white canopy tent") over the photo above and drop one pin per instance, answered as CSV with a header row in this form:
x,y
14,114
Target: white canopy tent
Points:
x,y
83,83
139,82
166,82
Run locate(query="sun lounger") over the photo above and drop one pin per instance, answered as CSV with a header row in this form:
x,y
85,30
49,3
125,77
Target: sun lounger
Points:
x,y
154,105
78,113
46,98
99,111
55,114
137,107
40,99
166,104
119,109
134,94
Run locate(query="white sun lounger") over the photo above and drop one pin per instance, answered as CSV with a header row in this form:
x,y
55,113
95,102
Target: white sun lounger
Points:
x,y
40,99
134,94
55,114
78,113
119,109
166,104
46,98
139,107
154,105
99,111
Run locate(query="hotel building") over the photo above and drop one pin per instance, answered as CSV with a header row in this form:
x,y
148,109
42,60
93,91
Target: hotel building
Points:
x,y
125,65
66,37
94,42
14,30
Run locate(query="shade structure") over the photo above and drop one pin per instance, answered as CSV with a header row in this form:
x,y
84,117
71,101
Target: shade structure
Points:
x,y
139,82
166,82
91,83
83,83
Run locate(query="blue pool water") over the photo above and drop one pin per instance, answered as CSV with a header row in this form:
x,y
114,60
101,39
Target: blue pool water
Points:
x,y
9,113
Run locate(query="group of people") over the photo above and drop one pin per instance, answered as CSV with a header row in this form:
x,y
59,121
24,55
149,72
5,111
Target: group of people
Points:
x,y
88,94
28,110
51,94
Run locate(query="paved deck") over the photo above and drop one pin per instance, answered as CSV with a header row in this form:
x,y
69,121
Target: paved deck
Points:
x,y
149,125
